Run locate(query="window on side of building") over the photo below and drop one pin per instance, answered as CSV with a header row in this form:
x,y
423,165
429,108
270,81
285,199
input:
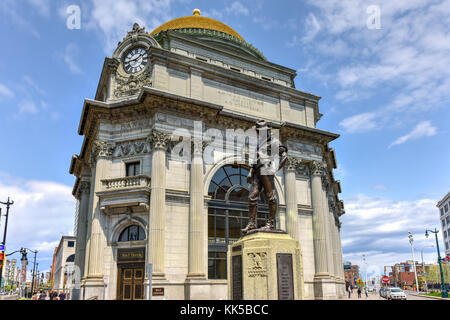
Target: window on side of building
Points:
x,y
446,208
442,211
132,233
71,244
133,168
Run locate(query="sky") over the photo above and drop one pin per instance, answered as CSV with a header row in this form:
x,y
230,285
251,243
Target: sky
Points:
x,y
381,67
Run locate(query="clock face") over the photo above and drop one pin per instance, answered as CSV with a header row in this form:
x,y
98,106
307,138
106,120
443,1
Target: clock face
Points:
x,y
135,60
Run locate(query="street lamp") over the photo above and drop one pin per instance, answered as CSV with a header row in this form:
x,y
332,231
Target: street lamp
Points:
x,y
8,205
411,241
423,268
444,288
365,270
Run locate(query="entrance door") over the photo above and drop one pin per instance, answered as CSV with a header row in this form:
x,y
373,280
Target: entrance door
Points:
x,y
131,283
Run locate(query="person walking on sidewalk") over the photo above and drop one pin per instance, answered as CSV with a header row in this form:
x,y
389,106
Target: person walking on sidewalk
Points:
x,y
349,293
365,291
359,292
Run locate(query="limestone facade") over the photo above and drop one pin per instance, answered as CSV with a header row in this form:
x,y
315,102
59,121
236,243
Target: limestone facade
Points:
x,y
195,81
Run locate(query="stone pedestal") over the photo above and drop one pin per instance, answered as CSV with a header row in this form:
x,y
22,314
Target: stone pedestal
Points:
x,y
265,266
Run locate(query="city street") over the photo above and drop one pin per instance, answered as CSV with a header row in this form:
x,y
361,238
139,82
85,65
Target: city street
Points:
x,y
375,296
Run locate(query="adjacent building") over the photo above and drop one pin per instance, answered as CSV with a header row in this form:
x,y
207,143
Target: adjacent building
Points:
x,y
351,273
161,177
64,257
444,215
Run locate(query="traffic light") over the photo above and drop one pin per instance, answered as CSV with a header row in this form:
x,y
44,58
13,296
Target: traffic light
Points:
x,y
2,258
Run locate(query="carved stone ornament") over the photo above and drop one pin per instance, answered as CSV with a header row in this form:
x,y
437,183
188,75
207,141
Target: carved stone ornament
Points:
x,y
131,84
198,146
257,264
292,163
84,187
303,170
317,168
136,31
131,148
102,148
159,139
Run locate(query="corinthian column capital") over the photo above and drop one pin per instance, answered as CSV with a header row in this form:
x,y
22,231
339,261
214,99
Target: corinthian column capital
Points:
x,y
317,168
292,163
159,139
101,148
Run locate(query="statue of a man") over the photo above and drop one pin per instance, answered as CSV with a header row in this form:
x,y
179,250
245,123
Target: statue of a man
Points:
x,y
262,173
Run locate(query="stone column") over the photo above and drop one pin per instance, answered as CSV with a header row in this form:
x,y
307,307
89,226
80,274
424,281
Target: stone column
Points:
x,y
159,142
322,279
196,254
290,187
93,284
80,248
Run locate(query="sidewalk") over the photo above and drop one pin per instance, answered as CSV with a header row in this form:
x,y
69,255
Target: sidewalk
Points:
x,y
354,296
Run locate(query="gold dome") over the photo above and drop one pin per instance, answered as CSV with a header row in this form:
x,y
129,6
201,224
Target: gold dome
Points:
x,y
196,21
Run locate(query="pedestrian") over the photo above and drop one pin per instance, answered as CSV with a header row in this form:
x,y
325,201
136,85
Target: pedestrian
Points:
x,y
62,296
365,291
349,293
53,295
359,292
42,295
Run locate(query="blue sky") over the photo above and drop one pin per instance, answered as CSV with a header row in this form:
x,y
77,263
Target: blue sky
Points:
x,y
386,91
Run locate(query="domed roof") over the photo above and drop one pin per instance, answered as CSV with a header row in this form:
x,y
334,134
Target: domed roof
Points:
x,y
196,21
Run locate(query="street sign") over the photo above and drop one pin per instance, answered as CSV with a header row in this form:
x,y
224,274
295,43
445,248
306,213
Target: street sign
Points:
x,y
2,247
385,279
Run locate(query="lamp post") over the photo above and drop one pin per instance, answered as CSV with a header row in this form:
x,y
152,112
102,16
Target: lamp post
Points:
x,y
411,241
444,292
365,270
8,205
423,268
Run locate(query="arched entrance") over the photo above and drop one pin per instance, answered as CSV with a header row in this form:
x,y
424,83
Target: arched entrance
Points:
x,y
228,214
130,264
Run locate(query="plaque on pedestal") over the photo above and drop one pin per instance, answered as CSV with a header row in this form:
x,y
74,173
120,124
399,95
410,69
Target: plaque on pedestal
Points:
x,y
265,266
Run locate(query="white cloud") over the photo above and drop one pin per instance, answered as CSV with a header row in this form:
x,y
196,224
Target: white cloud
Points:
x,y
312,26
27,106
114,18
423,129
237,8
70,53
410,54
42,6
33,85
5,91
379,228
380,187
359,123
41,213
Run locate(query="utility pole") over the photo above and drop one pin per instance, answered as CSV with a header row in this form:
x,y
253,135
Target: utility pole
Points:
x,y
8,205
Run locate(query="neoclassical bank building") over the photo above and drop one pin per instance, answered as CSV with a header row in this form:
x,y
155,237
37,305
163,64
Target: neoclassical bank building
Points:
x,y
155,220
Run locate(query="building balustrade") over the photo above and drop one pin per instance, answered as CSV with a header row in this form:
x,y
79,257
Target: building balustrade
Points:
x,y
126,182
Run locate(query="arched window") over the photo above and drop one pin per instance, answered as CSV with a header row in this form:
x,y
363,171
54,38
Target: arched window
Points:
x,y
132,233
227,215
70,258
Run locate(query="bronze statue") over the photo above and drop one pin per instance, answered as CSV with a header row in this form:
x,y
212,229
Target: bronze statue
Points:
x,y
262,173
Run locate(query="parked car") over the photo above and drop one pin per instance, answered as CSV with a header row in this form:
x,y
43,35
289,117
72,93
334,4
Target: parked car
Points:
x,y
382,292
395,294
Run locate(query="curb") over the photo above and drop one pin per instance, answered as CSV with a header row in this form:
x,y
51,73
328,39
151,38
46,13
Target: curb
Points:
x,y
431,297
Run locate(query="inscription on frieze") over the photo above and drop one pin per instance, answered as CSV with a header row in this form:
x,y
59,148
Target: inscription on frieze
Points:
x,y
237,277
285,276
